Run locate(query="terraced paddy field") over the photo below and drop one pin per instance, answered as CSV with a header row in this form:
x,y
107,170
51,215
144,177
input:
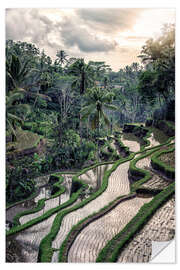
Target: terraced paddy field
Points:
x,y
91,176
160,227
94,237
29,239
118,184
134,145
168,159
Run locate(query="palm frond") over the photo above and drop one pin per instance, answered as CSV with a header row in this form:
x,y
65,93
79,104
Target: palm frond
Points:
x,y
14,117
86,111
107,97
11,127
15,66
13,97
110,106
12,79
23,71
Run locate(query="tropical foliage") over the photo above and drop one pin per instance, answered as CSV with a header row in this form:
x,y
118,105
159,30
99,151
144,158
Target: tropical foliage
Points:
x,y
72,103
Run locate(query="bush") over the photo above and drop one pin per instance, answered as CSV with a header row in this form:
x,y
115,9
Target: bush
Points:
x,y
19,185
76,185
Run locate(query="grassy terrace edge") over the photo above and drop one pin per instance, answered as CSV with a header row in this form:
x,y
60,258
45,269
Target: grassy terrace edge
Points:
x,y
138,172
47,214
116,244
72,199
41,202
36,191
32,196
112,250
79,226
45,249
66,245
50,212
157,164
36,143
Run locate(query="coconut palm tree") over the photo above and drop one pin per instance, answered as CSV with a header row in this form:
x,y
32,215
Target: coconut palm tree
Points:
x,y
84,78
84,74
62,57
18,74
15,110
96,101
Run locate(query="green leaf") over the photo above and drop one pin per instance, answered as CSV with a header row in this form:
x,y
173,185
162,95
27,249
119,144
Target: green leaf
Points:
x,y
110,107
86,111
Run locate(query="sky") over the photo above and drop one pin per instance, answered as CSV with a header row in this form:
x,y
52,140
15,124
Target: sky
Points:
x,y
113,35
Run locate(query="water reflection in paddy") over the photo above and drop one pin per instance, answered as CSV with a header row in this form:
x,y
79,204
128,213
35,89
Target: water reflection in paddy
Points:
x,y
134,145
46,193
30,238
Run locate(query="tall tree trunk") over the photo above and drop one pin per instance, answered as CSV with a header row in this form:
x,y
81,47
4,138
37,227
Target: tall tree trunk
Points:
x,y
80,123
88,127
111,125
98,154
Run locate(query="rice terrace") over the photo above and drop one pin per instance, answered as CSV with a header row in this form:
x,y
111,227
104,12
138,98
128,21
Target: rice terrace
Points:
x,y
90,134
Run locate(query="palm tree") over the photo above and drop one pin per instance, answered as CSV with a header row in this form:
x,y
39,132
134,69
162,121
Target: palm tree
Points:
x,y
18,75
96,101
17,72
84,74
15,110
84,78
62,57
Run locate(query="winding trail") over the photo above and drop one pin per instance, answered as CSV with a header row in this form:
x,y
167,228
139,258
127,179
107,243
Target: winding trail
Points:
x,y
118,184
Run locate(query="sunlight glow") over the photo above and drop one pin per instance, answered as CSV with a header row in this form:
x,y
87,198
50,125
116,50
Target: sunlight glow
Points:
x,y
151,21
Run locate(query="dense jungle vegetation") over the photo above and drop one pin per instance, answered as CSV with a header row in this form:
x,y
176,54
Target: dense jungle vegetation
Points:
x,y
65,106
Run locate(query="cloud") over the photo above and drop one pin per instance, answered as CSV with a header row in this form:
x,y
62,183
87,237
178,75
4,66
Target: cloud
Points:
x,y
28,25
83,37
88,30
32,25
137,38
15,26
110,20
87,33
